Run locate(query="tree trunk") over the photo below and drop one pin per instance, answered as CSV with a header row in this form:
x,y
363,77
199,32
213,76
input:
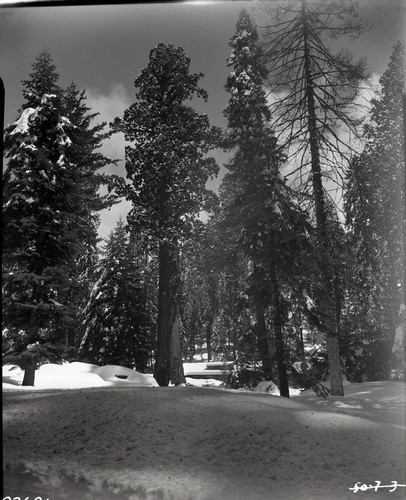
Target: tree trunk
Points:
x,y
209,334
162,369
277,326
262,336
336,380
29,368
29,373
302,351
329,311
177,375
168,358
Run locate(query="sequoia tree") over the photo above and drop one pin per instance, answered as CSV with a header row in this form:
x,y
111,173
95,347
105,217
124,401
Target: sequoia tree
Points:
x,y
167,170
374,203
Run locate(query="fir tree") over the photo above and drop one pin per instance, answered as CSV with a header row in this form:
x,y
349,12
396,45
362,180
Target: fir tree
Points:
x,y
167,169
117,325
84,153
51,197
256,202
42,80
39,190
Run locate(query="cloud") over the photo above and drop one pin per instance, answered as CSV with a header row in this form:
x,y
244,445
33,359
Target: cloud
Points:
x,y
110,106
109,217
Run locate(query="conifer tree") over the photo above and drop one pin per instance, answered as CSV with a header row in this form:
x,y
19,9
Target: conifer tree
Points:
x,y
167,169
117,323
256,202
86,140
50,223
316,90
38,244
374,203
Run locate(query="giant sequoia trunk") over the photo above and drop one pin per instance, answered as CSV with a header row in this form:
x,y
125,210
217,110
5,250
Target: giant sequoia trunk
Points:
x,y
168,364
262,337
177,375
277,327
328,305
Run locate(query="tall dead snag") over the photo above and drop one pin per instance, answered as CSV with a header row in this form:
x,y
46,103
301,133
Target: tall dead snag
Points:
x,y
313,100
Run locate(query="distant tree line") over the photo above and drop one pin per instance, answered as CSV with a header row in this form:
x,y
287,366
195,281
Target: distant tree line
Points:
x,y
280,279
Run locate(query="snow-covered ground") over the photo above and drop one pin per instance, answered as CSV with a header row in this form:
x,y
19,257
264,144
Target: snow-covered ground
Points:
x,y
193,443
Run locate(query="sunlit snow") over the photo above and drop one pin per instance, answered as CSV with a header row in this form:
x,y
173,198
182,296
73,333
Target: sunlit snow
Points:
x,y
77,375
22,124
197,443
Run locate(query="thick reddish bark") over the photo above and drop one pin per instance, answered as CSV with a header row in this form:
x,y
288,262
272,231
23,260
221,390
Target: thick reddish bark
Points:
x,y
177,375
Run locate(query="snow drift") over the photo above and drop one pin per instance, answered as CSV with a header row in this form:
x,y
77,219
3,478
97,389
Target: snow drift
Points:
x,y
78,375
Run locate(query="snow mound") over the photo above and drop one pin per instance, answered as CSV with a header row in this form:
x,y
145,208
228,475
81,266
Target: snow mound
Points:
x,y
83,367
77,375
53,376
114,373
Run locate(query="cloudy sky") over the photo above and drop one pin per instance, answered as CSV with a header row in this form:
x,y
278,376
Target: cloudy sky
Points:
x,y
104,48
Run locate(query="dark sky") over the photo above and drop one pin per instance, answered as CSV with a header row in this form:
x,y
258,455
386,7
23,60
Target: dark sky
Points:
x,y
103,49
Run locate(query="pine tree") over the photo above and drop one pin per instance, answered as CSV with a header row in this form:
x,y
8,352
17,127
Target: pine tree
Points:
x,y
316,90
38,245
117,324
167,169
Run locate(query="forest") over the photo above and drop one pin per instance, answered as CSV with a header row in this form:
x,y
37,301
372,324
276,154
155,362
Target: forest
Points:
x,y
294,271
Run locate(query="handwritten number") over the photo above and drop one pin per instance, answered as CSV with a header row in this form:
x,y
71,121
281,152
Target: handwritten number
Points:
x,y
378,484
20,498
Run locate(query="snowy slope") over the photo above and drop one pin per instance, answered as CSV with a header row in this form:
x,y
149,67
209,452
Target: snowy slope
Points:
x,y
207,444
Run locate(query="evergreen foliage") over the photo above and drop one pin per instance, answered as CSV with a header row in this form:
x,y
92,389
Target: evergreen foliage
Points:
x,y
117,322
167,169
84,153
374,203
38,245
257,207
50,198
